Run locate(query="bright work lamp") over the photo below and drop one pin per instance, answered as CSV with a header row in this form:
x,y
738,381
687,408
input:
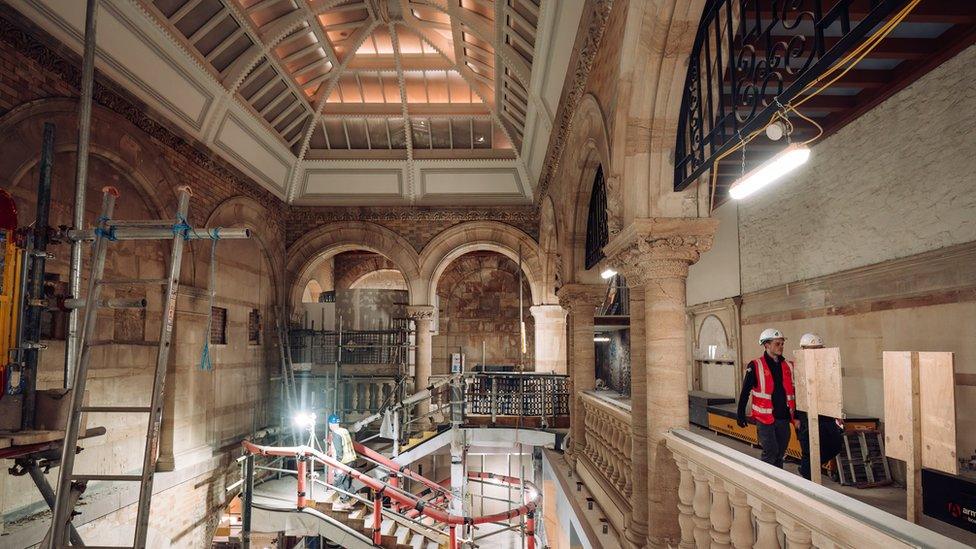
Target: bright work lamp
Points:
x,y
783,163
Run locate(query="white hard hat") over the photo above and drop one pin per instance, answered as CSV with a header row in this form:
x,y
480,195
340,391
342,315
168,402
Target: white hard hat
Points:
x,y
811,340
770,333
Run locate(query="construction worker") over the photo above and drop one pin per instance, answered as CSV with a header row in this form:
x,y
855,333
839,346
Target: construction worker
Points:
x,y
769,380
831,429
343,452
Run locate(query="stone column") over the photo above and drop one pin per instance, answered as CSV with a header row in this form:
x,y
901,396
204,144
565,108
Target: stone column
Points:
x,y
636,532
423,316
581,300
656,252
550,338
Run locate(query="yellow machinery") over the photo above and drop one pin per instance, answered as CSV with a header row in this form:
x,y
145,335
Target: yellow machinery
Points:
x,y
11,258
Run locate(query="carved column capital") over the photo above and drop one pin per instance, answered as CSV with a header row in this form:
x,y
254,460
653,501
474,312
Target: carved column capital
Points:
x,y
581,295
420,312
660,247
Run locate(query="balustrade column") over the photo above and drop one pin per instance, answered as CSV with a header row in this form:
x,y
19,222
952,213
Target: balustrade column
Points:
x,y
766,537
686,497
741,532
797,535
720,514
701,505
550,338
423,316
657,253
581,300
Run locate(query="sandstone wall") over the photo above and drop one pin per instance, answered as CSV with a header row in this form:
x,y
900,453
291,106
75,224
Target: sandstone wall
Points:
x,y
206,412
479,303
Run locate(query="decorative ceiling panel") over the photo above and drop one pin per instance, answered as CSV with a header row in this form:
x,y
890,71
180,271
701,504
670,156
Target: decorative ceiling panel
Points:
x,y
361,81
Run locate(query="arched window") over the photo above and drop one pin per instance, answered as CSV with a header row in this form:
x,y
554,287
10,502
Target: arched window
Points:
x,y
597,234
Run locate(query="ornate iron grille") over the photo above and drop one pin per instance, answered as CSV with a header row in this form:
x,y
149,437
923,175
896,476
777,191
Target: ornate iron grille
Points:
x,y
750,58
597,233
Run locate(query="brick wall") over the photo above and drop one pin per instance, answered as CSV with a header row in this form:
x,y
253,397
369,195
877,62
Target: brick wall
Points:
x,y
895,182
417,225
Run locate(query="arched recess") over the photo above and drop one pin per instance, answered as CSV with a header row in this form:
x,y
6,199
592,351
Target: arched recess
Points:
x,y
329,240
552,275
247,213
477,236
590,151
657,41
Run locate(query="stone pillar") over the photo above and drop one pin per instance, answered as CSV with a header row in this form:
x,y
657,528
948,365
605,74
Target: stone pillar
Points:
x,y
636,532
581,300
423,316
656,253
550,338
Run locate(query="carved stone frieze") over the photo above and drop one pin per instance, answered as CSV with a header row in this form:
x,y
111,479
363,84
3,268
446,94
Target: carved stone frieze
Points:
x,y
420,312
660,247
573,91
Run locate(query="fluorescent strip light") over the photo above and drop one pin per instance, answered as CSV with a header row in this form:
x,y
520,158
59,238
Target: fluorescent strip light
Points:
x,y
601,339
607,274
783,163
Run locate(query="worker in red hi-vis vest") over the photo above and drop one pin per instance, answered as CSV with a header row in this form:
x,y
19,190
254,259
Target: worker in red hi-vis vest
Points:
x,y
769,381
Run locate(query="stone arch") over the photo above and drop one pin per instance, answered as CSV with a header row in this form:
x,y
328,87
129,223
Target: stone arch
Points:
x,y
552,274
350,274
475,236
244,212
591,149
113,139
311,292
329,240
657,41
384,279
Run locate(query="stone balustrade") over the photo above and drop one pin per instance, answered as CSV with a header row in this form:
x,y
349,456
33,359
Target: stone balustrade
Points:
x,y
604,461
361,396
729,499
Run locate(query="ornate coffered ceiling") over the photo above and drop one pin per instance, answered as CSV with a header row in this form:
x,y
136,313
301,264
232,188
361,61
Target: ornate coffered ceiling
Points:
x,y
347,102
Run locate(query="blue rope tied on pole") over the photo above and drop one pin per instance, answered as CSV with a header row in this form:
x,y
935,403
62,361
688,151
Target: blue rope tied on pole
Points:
x,y
182,228
205,362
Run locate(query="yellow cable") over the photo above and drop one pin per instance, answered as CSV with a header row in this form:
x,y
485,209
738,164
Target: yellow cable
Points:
x,y
860,52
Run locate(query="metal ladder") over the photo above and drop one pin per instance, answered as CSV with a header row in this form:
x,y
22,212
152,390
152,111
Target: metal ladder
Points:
x,y
290,404
71,485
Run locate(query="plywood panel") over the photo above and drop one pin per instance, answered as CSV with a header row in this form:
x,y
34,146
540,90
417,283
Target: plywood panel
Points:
x,y
897,404
819,369
937,408
938,403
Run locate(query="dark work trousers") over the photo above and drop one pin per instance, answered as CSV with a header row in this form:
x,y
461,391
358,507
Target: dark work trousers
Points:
x,y
774,438
831,442
343,482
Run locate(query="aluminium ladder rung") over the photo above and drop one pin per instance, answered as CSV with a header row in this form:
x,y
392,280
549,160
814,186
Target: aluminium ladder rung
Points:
x,y
119,409
98,547
117,478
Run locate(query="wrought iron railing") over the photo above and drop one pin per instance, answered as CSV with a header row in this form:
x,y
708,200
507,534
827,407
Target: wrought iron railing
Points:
x,y
597,230
750,59
514,394
358,347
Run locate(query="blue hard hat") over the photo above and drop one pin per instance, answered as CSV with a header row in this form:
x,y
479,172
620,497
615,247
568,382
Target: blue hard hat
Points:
x,y
334,419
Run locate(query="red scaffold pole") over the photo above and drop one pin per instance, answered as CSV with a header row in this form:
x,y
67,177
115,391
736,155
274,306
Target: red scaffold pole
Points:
x,y
300,472
377,517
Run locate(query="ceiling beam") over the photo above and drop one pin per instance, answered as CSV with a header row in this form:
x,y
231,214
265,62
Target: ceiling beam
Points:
x,y
410,62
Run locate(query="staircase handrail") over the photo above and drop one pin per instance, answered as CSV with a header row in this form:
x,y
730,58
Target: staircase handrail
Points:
x,y
381,488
